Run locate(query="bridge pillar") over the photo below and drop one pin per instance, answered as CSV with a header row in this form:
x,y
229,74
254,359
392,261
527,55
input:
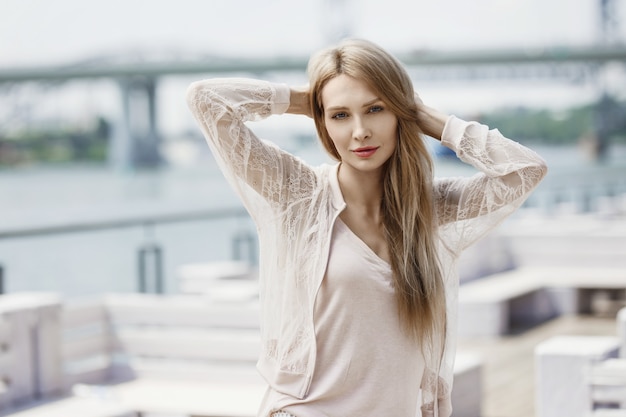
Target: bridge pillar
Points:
x,y
609,119
135,142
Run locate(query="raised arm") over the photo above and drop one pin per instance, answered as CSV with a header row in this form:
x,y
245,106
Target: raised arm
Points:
x,y
508,173
221,107
299,101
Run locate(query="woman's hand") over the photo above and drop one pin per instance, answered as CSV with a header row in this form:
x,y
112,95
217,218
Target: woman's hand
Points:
x,y
431,121
299,102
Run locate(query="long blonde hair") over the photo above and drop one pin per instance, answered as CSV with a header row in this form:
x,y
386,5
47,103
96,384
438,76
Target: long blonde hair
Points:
x,y
407,205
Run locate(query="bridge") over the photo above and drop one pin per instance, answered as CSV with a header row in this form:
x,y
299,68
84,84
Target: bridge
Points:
x,y
581,56
138,81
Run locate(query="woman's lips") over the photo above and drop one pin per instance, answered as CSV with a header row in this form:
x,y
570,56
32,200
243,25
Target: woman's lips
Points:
x,y
365,152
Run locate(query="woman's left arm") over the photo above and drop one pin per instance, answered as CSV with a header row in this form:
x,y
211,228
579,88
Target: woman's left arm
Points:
x,y
508,170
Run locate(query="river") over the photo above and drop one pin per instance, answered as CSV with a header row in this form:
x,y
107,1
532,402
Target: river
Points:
x,y
96,262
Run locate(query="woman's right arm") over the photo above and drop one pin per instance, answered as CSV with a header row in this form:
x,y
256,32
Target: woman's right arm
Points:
x,y
221,107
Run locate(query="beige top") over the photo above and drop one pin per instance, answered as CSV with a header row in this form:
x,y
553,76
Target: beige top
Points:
x,y
366,366
294,206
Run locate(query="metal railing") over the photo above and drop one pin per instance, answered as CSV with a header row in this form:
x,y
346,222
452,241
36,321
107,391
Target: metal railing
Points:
x,y
582,195
150,275
550,198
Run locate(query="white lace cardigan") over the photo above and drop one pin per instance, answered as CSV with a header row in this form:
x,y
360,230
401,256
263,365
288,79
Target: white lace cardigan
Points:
x,y
295,206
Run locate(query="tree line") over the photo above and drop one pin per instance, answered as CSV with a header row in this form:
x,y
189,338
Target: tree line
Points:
x,y
552,127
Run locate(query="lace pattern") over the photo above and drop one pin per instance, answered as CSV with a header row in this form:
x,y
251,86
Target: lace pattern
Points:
x,y
294,211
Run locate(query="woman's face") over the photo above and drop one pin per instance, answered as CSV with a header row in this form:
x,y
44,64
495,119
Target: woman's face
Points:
x,y
359,123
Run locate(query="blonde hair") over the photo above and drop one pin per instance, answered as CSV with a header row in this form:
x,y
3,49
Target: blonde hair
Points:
x,y
407,205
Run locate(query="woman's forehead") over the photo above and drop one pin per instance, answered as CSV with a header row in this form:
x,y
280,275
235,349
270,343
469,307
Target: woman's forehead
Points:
x,y
344,90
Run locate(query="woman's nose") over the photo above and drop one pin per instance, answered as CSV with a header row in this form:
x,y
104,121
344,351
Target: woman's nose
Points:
x,y
361,131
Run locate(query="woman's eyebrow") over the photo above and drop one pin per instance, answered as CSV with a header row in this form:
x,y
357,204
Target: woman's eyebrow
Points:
x,y
369,103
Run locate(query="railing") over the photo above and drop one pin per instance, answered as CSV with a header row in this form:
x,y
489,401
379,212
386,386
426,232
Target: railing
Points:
x,y
150,276
558,194
581,192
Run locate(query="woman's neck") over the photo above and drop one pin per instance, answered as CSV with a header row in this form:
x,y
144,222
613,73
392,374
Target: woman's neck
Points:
x,y
361,190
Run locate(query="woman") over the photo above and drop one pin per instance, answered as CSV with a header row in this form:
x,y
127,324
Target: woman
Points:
x,y
357,275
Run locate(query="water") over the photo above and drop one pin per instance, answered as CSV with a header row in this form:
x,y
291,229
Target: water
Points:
x,y
88,263
95,262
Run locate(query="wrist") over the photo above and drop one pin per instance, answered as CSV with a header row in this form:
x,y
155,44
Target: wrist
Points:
x,y
299,101
432,121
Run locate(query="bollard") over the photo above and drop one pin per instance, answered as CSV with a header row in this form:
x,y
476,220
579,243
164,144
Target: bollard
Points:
x,y
621,331
154,251
241,239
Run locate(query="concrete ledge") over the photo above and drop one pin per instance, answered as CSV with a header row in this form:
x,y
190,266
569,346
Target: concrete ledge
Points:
x,y
607,412
495,305
501,303
72,406
467,390
171,396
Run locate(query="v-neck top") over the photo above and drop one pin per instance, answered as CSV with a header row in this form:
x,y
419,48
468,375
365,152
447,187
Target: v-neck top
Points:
x,y
295,204
366,364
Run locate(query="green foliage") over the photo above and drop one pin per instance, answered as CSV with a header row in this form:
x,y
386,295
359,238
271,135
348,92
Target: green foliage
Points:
x,y
71,144
548,126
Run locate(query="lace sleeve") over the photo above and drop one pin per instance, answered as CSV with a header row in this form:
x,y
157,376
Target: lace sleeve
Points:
x,y
222,106
469,207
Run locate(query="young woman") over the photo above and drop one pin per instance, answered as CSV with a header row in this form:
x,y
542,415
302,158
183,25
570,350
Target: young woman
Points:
x,y
357,274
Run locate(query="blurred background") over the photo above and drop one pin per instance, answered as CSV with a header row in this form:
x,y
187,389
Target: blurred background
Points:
x,y
103,170
107,186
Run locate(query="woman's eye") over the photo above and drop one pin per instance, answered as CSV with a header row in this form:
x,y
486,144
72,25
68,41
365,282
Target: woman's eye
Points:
x,y
376,109
340,115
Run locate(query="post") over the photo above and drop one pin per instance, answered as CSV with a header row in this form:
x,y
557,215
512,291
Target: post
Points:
x,y
150,251
621,331
241,239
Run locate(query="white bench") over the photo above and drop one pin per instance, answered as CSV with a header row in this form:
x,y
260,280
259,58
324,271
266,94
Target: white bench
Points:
x,y
607,412
607,380
72,406
227,280
500,303
566,240
491,306
128,336
581,376
31,371
180,355
28,321
189,356
563,364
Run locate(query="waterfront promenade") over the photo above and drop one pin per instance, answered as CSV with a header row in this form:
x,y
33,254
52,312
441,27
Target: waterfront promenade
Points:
x,y
539,236
192,327
509,362
590,242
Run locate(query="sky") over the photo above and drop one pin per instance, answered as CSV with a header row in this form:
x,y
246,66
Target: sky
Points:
x,y
63,32
35,32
